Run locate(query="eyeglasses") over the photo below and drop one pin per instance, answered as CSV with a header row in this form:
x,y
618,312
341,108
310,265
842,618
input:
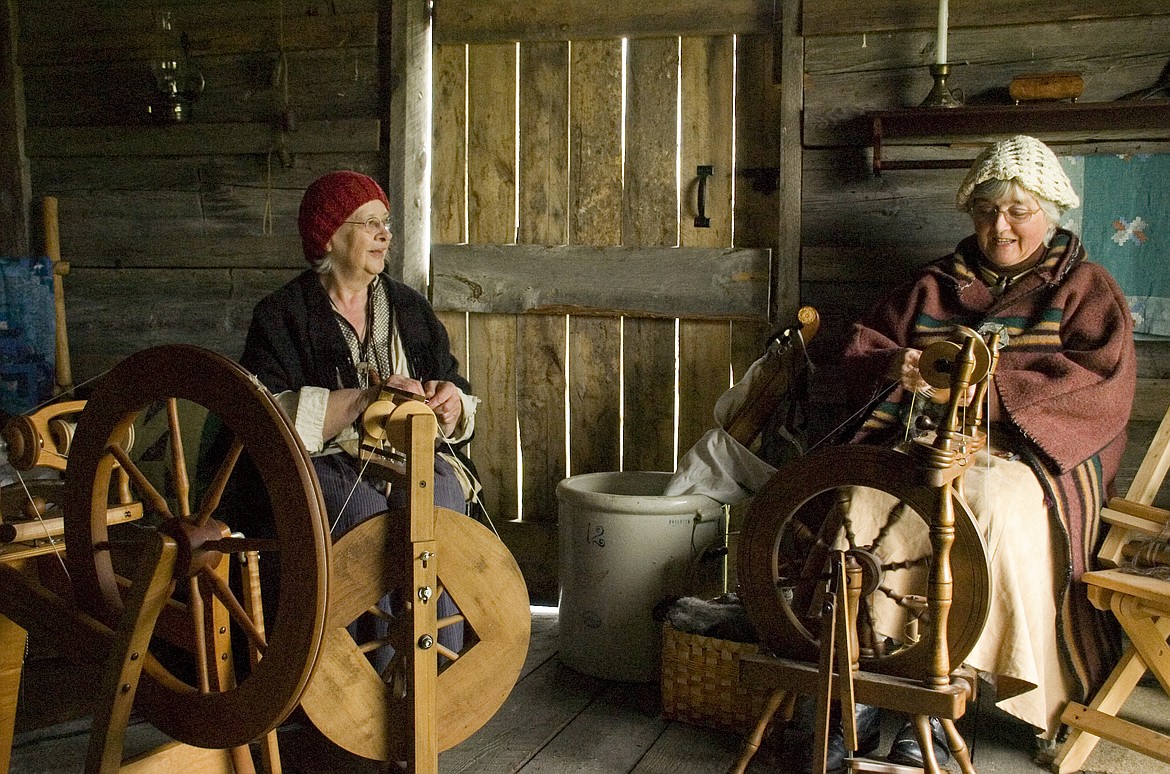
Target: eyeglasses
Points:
x,y
1014,215
372,225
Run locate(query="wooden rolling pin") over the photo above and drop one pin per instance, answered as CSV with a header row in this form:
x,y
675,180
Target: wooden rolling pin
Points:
x,y
1038,87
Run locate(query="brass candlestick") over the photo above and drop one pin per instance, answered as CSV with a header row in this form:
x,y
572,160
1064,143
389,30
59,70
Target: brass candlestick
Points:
x,y
940,95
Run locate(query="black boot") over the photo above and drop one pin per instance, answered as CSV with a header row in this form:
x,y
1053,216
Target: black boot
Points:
x,y
869,731
906,752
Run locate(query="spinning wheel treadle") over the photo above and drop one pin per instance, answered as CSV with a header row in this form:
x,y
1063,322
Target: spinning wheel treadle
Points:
x,y
199,702
788,539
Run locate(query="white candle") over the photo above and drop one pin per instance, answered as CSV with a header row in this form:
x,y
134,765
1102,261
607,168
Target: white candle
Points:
x,y
941,48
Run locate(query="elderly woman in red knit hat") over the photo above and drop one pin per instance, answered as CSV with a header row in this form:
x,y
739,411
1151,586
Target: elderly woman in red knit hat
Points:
x,y
327,341
1058,407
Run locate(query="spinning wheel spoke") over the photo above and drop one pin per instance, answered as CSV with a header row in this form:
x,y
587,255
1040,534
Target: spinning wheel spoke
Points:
x,y
214,493
369,646
240,545
249,625
892,518
145,487
913,602
378,612
906,564
451,620
198,632
178,460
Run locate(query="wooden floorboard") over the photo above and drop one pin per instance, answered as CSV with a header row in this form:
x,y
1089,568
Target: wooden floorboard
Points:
x,y
540,707
612,734
558,721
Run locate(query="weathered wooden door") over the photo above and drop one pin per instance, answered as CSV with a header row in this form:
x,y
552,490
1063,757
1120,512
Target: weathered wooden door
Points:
x,y
596,320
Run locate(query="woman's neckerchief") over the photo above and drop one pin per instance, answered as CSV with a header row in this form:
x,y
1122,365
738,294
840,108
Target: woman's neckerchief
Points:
x,y
1000,279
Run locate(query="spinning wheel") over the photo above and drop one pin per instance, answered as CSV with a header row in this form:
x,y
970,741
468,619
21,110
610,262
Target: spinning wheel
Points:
x,y
415,707
817,569
155,607
197,700
801,516
481,576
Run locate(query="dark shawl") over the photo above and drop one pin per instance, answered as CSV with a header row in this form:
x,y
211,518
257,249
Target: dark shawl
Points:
x,y
294,340
1063,389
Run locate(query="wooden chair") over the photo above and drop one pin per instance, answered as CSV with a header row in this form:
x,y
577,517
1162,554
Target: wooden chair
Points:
x,y
1142,606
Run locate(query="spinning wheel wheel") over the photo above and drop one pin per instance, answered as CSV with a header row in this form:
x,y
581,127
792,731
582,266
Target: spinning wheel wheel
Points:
x,y
197,700
800,517
475,568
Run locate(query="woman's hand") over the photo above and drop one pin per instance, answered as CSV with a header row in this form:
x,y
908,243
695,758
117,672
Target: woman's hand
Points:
x,y
443,398
404,383
905,368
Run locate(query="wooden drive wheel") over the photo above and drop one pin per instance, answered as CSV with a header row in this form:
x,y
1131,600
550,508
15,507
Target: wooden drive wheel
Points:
x,y
793,526
366,712
196,698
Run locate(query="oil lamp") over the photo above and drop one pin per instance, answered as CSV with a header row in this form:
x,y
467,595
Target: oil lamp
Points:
x,y
177,78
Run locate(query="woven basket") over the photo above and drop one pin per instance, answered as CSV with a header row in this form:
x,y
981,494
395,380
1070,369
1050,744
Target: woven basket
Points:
x,y
700,682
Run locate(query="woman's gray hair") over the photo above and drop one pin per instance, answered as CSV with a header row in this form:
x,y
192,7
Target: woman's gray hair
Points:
x,y
325,265
995,189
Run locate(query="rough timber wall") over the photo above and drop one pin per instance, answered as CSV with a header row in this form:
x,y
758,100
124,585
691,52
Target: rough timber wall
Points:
x,y
861,232
173,232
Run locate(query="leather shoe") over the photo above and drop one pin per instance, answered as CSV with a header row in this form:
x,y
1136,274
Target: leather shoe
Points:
x,y
906,752
869,731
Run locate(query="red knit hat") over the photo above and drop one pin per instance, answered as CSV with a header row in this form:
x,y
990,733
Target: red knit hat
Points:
x,y
327,202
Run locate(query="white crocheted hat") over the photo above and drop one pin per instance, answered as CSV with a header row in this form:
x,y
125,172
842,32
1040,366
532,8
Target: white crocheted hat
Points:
x,y
1027,160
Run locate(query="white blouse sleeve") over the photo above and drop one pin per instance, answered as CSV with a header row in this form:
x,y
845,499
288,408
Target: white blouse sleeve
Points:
x,y
306,407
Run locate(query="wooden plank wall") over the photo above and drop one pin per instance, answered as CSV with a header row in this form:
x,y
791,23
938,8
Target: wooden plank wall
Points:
x,y
568,139
14,232
174,232
860,232
545,166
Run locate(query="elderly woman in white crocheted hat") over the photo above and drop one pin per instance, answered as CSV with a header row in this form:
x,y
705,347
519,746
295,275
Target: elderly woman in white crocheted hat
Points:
x,y
1057,407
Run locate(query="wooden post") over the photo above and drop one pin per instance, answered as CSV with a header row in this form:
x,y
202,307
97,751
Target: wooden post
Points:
x,y
408,186
64,371
15,188
423,658
789,54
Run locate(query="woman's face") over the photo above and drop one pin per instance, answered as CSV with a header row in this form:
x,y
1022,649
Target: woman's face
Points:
x,y
1010,228
359,247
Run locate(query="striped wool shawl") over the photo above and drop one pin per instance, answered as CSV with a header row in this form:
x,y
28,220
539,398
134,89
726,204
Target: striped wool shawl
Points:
x,y
1062,389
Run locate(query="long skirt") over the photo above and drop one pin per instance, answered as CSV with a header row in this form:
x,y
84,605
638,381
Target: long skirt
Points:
x,y
1019,651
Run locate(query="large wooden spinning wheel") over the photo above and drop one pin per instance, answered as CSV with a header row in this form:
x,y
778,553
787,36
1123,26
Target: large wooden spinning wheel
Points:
x,y
802,515
367,712
187,688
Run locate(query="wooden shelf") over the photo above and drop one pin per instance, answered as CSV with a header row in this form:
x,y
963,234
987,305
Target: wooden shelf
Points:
x,y
1080,122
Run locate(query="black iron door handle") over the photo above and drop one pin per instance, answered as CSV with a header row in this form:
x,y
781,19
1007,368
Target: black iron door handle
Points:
x,y
704,173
